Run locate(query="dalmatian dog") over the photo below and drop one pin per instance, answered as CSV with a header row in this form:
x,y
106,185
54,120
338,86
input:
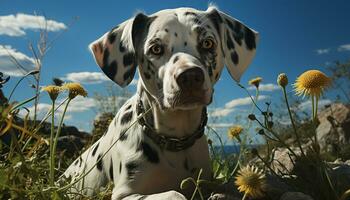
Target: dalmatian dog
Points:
x,y
156,139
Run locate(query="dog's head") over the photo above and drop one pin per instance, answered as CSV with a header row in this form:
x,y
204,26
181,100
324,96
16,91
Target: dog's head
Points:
x,y
180,53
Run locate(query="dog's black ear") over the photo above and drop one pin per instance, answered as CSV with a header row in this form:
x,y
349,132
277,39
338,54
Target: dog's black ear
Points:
x,y
237,40
114,52
139,27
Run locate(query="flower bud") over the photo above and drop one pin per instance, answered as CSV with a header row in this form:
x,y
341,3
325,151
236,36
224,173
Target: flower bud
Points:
x,y
282,80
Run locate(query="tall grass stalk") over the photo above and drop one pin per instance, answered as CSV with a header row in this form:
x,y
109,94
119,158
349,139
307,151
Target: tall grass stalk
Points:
x,y
292,120
54,146
52,163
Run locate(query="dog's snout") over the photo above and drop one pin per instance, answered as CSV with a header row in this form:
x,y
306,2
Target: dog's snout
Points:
x,y
191,78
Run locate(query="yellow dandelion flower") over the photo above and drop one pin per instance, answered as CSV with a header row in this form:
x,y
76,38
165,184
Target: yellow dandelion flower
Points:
x,y
234,132
251,181
255,81
282,80
75,89
53,91
311,83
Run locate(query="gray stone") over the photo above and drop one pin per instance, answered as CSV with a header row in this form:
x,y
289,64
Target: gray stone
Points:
x,y
333,132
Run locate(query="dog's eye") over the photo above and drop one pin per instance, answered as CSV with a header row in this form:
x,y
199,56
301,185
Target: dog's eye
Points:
x,y
207,44
156,49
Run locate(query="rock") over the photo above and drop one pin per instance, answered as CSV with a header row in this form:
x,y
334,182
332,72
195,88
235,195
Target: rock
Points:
x,y
295,196
333,132
340,175
275,186
284,160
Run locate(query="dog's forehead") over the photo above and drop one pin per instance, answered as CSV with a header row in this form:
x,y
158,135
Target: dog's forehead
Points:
x,y
179,19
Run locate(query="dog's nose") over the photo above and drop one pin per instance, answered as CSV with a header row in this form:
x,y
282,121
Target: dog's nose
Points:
x,y
190,79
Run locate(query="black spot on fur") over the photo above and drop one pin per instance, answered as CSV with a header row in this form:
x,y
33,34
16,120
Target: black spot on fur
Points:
x,y
131,168
128,59
123,135
140,25
176,59
80,161
249,39
150,153
128,108
191,13
126,117
109,69
197,21
120,167
76,162
147,75
215,18
95,149
111,36
121,47
230,44
175,34
130,73
234,57
111,170
229,23
166,30
238,36
99,164
210,71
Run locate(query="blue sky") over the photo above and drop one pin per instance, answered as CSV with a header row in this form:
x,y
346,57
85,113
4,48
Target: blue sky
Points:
x,y
295,35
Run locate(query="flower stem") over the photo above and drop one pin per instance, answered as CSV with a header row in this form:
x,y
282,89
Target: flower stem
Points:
x,y
291,119
314,101
244,196
52,167
56,137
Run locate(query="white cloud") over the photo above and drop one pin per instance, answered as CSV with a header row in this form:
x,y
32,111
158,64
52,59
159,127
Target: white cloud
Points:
x,y
81,104
86,77
77,105
15,25
322,51
266,87
90,78
243,101
231,105
344,47
8,67
308,106
221,112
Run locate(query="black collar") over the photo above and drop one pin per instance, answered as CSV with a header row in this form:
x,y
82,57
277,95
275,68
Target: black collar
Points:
x,y
173,144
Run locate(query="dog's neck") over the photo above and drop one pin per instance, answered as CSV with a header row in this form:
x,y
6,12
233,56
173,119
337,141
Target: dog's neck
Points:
x,y
174,123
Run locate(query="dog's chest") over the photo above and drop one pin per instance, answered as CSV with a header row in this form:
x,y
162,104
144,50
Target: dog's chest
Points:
x,y
173,167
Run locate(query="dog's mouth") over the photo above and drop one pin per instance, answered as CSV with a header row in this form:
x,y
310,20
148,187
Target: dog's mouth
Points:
x,y
188,99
